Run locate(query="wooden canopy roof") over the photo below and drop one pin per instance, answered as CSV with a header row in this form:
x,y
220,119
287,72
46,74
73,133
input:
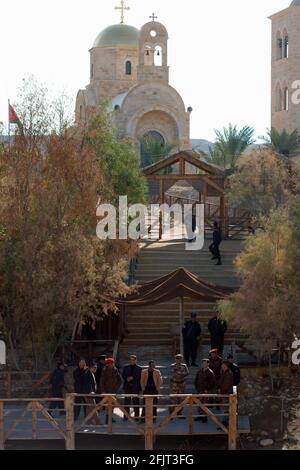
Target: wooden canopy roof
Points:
x,y
180,283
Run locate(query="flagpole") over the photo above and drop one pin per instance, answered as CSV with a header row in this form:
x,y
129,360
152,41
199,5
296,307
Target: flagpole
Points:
x,y
8,124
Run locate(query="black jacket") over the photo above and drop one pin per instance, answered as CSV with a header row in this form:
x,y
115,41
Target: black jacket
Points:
x,y
57,381
133,387
78,376
191,331
217,327
236,374
217,237
89,383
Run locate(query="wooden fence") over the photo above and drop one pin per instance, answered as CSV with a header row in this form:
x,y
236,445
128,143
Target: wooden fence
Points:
x,y
34,419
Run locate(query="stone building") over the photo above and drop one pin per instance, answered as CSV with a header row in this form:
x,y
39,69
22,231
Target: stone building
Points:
x,y
286,68
129,68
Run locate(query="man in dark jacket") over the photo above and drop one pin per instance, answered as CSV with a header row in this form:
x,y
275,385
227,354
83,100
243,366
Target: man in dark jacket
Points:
x,y
235,370
205,383
57,382
217,328
191,335
78,376
90,388
132,386
215,362
225,386
111,379
215,246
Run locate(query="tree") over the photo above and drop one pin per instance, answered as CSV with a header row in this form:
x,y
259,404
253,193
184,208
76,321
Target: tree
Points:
x,y
154,150
282,142
263,182
266,307
55,272
230,144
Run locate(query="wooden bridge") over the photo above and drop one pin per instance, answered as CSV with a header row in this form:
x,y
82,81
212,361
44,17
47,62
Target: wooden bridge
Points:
x,y
30,419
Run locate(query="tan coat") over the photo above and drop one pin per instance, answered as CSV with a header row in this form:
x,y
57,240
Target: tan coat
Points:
x,y
157,378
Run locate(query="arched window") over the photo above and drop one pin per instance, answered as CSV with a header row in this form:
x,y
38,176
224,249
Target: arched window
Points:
x,y
158,56
279,44
286,47
148,60
128,68
286,99
278,104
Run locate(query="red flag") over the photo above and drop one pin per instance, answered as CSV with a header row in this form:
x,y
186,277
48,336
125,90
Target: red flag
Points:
x,y
13,117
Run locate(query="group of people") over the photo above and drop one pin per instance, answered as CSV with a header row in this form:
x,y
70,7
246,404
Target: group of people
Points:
x,y
214,376
191,333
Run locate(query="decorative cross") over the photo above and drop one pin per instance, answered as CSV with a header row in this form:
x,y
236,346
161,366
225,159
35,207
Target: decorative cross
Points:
x,y
123,8
153,17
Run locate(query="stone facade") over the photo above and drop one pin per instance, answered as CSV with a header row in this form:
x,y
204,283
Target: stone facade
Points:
x,y
286,68
134,79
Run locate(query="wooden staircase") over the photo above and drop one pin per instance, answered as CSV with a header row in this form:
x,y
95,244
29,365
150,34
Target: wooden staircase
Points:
x,y
152,328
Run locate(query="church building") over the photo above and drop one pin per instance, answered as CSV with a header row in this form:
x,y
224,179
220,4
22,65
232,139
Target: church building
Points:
x,y
286,68
129,69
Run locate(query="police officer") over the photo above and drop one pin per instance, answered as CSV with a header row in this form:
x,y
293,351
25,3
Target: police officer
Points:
x,y
191,335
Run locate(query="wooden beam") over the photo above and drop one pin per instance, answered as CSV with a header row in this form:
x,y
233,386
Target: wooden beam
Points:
x,y
149,422
2,440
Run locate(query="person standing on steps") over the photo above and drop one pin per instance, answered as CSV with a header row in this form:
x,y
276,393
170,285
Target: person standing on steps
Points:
x,y
215,362
90,388
78,376
205,383
177,382
225,386
214,248
132,386
217,328
151,381
110,381
236,372
191,333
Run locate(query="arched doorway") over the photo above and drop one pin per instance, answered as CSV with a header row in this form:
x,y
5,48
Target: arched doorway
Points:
x,y
151,143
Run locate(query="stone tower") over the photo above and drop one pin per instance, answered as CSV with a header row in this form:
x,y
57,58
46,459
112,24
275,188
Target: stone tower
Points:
x,y
285,100
129,68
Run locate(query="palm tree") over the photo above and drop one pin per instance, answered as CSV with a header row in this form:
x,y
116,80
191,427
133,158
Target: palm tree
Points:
x,y
230,144
154,150
282,142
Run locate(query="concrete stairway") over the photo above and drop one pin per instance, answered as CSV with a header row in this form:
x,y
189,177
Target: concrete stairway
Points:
x,y
151,329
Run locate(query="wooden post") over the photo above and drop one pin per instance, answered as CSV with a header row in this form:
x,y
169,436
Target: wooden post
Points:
x,y
34,420
181,323
161,201
232,426
149,422
1,425
8,383
109,411
70,432
191,419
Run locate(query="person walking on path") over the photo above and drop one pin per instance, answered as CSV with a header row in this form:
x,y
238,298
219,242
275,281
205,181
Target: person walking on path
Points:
x,y
132,386
111,380
151,381
78,376
205,383
214,248
217,328
179,373
191,333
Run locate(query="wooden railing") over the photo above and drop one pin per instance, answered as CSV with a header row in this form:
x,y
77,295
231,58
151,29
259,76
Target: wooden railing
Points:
x,y
42,425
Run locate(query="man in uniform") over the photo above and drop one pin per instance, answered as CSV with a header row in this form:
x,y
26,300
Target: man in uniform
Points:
x,y
205,383
215,362
225,385
191,335
111,380
217,328
177,381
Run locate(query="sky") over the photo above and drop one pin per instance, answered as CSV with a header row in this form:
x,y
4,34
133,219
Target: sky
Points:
x,y
219,52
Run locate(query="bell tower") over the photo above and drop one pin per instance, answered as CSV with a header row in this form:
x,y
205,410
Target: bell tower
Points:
x,y
286,68
153,52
